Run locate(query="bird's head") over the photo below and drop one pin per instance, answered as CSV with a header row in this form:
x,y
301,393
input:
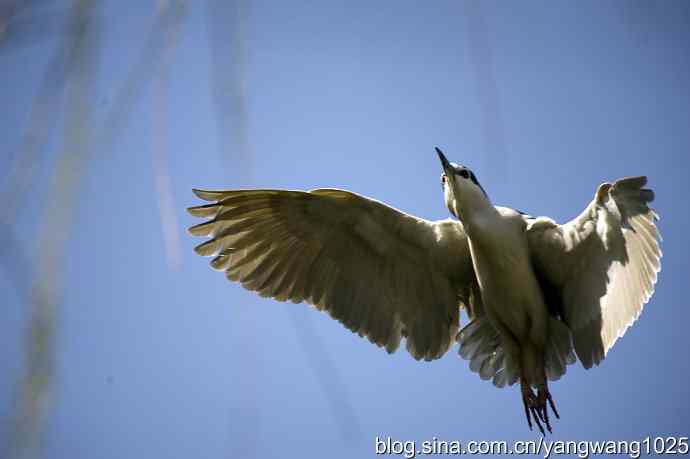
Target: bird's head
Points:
x,y
461,189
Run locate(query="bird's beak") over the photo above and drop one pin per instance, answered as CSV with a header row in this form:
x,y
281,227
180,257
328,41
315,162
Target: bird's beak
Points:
x,y
444,161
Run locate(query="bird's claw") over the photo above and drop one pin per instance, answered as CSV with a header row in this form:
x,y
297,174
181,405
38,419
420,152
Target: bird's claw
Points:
x,y
536,408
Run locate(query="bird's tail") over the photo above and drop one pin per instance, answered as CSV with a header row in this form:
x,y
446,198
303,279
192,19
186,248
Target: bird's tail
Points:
x,y
480,343
559,350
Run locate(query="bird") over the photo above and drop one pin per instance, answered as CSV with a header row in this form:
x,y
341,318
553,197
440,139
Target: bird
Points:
x,y
539,295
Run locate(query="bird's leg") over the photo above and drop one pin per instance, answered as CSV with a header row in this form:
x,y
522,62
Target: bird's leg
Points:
x,y
527,396
533,375
540,404
531,403
543,395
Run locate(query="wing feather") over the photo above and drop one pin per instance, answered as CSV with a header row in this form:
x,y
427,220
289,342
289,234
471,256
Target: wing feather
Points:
x,y
605,263
380,272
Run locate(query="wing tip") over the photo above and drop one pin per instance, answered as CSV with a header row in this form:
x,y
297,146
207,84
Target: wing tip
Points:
x,y
204,210
208,248
202,229
634,182
206,195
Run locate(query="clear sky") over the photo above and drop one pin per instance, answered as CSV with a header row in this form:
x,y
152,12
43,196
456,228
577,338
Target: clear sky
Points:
x,y
543,100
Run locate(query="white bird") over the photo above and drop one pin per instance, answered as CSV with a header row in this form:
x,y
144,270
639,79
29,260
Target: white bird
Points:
x,y
537,293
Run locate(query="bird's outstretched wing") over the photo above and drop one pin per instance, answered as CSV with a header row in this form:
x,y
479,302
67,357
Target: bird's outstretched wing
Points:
x,y
380,272
600,267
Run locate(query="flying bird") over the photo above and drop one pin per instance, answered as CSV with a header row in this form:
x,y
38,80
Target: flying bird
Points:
x,y
537,293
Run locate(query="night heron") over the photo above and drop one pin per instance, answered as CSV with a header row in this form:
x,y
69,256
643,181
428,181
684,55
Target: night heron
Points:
x,y
537,293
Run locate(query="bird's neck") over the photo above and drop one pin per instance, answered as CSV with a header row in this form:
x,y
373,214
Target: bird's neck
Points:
x,y
475,209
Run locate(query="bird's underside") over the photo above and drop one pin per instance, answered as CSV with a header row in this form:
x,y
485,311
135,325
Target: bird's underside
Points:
x,y
387,275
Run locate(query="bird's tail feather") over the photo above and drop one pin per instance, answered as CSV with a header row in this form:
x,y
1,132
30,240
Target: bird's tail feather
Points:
x,y
559,350
480,343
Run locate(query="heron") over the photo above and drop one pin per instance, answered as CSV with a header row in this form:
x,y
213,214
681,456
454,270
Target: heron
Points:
x,y
539,295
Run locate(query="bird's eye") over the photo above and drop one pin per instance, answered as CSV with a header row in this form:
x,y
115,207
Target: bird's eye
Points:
x,y
443,179
464,174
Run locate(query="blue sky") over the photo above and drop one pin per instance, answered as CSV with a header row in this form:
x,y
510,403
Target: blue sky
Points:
x,y
176,363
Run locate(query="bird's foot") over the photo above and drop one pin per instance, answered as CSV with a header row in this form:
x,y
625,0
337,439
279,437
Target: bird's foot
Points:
x,y
536,407
529,400
544,395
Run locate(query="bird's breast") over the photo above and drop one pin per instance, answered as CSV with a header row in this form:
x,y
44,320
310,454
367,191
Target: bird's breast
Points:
x,y
507,282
